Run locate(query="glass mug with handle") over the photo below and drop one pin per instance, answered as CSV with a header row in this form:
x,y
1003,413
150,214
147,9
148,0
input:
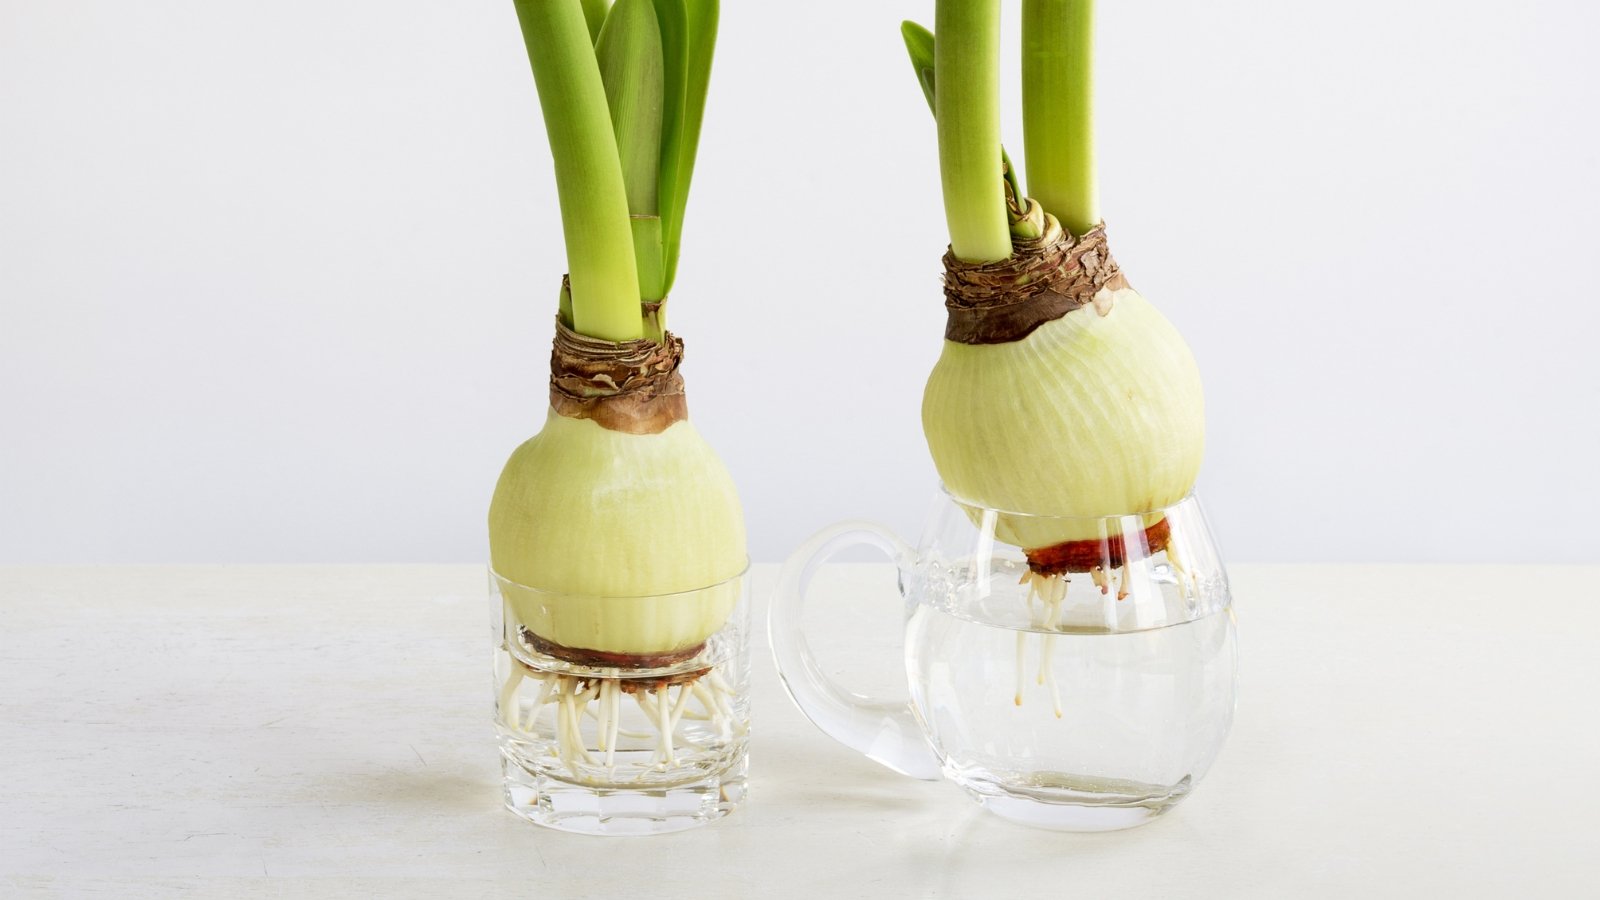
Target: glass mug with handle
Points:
x,y
1086,686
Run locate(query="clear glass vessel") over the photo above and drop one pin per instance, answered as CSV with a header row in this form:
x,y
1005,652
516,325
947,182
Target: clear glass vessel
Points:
x,y
610,744
1086,684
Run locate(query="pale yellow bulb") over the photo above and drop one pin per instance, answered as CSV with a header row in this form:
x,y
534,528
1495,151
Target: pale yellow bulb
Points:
x,y
628,541
1091,415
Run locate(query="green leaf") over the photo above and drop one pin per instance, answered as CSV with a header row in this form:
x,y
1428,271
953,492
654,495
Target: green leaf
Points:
x,y
594,13
688,36
919,46
594,201
630,57
632,67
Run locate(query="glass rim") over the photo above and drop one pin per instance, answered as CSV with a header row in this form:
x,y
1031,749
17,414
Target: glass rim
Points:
x,y
1188,498
661,595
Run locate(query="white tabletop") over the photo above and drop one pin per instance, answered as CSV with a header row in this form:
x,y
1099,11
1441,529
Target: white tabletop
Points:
x,y
246,732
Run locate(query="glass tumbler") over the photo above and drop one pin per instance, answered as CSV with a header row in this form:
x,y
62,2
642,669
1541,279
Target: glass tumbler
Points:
x,y
1083,685
606,743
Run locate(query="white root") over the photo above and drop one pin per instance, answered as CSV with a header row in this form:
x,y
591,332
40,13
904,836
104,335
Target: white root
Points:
x,y
679,706
708,703
616,724
658,714
709,699
578,742
1186,582
570,747
720,685
666,729
563,738
509,712
1049,674
722,691
572,734
1051,593
1022,651
649,712
1032,580
546,695
713,710
602,718
616,707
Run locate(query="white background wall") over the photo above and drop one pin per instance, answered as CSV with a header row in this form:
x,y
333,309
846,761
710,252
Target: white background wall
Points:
x,y
276,279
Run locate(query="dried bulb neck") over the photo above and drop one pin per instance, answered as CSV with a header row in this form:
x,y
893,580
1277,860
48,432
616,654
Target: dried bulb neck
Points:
x,y
632,386
1045,278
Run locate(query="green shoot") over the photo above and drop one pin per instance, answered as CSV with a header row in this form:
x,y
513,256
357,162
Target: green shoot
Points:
x,y
919,46
594,14
631,66
655,58
688,35
967,109
1058,109
594,202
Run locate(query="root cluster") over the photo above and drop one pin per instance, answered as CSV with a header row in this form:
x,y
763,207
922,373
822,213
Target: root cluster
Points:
x,y
1047,594
664,702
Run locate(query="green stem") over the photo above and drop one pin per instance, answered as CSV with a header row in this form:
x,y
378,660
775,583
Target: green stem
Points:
x,y
594,12
1058,109
648,255
688,38
631,66
919,45
967,106
594,203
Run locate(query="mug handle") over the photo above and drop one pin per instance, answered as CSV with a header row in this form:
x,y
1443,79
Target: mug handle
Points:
x,y
884,731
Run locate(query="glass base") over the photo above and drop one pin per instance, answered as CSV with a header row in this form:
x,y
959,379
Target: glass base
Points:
x,y
1071,803
584,809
